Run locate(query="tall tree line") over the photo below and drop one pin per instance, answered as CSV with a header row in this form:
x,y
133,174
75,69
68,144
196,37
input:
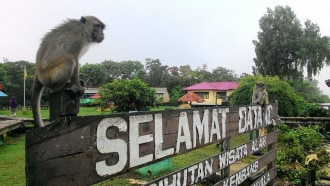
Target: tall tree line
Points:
x,y
152,72
285,48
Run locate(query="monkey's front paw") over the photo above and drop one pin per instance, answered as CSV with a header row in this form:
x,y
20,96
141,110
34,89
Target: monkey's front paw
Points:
x,y
82,83
77,89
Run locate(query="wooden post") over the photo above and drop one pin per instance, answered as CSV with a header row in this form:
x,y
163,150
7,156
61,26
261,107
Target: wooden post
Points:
x,y
271,128
63,103
225,146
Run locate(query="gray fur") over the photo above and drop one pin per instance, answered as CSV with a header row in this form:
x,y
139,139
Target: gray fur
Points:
x,y
57,58
259,95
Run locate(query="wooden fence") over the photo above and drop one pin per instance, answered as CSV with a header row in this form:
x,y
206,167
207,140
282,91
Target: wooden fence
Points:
x,y
90,149
322,122
42,107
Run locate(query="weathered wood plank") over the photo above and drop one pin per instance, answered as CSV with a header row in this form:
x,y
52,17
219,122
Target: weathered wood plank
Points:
x,y
266,178
9,125
93,148
211,165
305,120
243,174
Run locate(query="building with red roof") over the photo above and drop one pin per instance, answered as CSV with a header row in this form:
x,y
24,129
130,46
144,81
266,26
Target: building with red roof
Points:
x,y
213,93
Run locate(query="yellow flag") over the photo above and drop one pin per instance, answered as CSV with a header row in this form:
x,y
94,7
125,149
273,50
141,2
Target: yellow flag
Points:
x,y
25,74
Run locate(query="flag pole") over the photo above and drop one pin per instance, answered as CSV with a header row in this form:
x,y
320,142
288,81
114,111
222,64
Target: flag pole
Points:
x,y
24,87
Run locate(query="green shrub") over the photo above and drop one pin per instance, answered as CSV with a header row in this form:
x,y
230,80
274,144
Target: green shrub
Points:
x,y
128,95
294,145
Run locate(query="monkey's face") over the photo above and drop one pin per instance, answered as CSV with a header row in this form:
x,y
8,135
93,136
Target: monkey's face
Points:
x,y
260,86
97,33
94,27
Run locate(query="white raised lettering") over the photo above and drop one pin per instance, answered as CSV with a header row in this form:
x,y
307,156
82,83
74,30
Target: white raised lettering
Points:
x,y
223,111
185,177
239,176
159,152
259,117
200,172
201,127
192,170
244,173
215,128
223,160
255,146
262,142
232,156
208,167
268,112
226,182
135,140
183,127
105,145
232,180
173,181
249,122
241,124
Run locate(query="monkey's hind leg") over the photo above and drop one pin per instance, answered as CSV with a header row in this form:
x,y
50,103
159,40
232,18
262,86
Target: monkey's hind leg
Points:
x,y
62,74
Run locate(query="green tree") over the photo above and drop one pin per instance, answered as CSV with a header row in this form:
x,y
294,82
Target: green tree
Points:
x,y
123,70
223,74
277,51
315,50
155,71
200,74
169,81
284,48
128,95
309,91
174,71
93,75
185,70
289,102
186,73
131,69
176,93
12,77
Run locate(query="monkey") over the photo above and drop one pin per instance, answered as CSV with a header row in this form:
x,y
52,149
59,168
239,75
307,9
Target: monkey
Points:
x,y
57,58
260,95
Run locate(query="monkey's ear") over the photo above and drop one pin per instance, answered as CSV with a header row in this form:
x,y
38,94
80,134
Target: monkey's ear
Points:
x,y
83,19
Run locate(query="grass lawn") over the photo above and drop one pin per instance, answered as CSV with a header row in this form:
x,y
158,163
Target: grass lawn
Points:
x,y
12,155
83,111
12,161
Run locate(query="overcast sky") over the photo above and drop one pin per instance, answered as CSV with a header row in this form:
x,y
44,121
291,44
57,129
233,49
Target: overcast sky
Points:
x,y
218,33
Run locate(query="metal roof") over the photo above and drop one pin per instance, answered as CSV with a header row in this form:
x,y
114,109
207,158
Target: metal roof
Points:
x,y
224,86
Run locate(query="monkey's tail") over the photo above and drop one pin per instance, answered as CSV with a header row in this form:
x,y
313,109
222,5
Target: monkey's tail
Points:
x,y
37,89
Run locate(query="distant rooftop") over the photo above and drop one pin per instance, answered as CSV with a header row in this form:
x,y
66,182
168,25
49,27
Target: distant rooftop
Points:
x,y
222,86
160,90
89,90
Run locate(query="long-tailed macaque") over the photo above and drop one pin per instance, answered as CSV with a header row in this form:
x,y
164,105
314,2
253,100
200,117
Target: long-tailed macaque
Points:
x,y
57,58
260,95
